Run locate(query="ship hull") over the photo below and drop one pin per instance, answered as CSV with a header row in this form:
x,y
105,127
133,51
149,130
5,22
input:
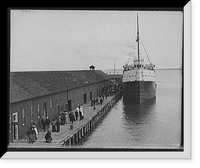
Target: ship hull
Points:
x,y
139,91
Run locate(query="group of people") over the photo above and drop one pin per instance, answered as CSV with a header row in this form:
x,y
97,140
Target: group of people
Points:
x,y
46,122
55,124
32,134
78,114
55,127
97,101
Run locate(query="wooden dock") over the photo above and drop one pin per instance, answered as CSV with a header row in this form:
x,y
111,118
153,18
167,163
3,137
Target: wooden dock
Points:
x,y
81,128
79,133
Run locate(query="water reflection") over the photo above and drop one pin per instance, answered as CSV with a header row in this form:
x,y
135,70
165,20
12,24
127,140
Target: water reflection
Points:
x,y
137,113
138,119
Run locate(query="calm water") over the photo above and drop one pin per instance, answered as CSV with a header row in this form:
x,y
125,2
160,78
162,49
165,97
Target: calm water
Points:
x,y
153,124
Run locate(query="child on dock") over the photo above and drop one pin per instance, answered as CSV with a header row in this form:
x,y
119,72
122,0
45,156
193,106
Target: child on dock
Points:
x,y
71,117
48,137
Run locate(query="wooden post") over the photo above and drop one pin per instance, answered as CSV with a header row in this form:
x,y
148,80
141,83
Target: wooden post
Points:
x,y
82,132
90,124
79,134
86,130
67,143
75,138
71,139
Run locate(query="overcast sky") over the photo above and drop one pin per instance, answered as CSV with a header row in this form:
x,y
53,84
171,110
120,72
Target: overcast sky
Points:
x,y
74,40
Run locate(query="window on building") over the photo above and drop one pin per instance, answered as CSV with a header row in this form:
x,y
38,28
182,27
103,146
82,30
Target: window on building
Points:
x,y
45,112
50,103
10,123
15,117
23,117
38,110
32,114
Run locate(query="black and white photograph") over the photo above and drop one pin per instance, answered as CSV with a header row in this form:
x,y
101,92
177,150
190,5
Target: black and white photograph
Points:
x,y
98,80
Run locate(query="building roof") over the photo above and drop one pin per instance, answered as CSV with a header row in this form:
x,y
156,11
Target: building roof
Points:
x,y
104,75
26,85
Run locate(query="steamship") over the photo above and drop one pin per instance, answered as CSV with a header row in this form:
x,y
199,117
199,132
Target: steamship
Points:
x,y
139,78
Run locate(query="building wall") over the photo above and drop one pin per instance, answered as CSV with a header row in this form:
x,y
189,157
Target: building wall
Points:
x,y
50,106
77,95
23,124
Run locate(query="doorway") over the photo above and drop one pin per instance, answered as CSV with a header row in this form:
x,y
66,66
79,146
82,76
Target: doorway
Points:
x,y
15,132
85,98
15,126
91,95
45,109
97,92
69,105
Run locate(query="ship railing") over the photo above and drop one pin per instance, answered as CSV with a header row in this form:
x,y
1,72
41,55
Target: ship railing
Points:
x,y
149,66
139,60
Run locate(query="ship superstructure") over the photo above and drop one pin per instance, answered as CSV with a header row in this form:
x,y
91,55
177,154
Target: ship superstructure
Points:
x,y
139,78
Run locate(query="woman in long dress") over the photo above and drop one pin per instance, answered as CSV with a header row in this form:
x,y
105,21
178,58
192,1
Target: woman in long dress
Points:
x,y
76,113
34,133
53,125
81,112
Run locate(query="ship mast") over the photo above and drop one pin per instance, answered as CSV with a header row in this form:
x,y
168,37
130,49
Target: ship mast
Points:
x,y
138,39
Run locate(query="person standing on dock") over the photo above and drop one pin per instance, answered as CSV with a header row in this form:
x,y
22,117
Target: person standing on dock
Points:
x,y
106,95
96,101
71,117
81,113
58,125
53,125
47,122
34,133
92,102
43,123
101,100
76,113
30,135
